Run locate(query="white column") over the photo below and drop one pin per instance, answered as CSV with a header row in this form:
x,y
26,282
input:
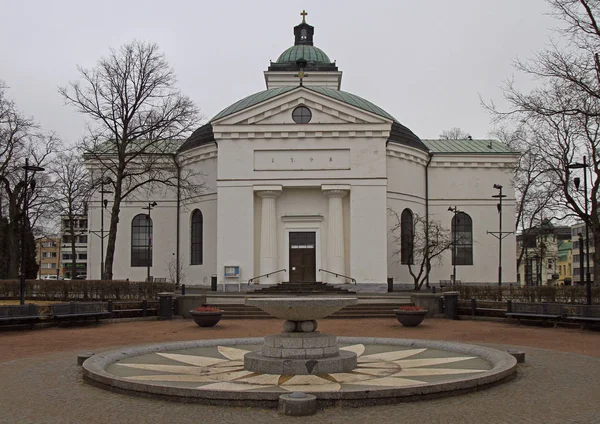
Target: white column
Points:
x,y
335,235
268,236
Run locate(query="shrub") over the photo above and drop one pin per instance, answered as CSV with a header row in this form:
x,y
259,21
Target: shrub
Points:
x,y
64,290
550,294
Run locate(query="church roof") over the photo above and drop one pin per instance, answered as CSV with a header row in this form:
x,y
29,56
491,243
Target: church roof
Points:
x,y
469,147
312,55
398,133
343,96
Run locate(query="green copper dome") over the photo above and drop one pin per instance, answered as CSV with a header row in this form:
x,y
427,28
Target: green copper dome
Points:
x,y
261,96
311,54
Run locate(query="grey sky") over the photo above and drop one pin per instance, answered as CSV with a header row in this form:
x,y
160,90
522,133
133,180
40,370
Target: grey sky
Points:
x,y
426,63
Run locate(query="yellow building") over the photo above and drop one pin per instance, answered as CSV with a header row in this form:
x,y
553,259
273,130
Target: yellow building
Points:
x,y
48,256
564,262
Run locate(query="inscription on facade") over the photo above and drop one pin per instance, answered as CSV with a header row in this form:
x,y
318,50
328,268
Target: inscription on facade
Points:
x,y
301,160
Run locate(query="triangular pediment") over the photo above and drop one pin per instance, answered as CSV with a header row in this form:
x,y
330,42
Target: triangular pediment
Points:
x,y
278,111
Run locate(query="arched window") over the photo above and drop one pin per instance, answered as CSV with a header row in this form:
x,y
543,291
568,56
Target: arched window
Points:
x,y
462,239
196,238
407,237
141,240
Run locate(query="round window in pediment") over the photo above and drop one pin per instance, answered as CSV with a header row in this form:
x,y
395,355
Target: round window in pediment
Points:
x,y
301,115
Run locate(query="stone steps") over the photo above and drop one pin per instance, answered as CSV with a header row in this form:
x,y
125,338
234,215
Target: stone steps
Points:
x,y
313,287
367,310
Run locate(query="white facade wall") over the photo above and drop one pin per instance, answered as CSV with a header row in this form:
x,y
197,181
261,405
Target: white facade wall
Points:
x,y
467,183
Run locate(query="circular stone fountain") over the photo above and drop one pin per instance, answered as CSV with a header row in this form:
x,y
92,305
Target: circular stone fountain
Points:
x,y
256,371
300,349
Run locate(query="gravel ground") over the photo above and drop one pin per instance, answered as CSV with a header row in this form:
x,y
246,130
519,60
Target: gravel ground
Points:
x,y
41,383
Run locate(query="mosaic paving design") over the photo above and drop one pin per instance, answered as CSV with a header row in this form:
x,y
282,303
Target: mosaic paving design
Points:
x,y
222,369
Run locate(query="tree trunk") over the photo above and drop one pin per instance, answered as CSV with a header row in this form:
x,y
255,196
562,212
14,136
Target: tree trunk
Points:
x,y
14,236
112,232
596,259
73,250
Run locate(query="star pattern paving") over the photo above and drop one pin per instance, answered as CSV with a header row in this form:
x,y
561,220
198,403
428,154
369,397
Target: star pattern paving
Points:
x,y
393,369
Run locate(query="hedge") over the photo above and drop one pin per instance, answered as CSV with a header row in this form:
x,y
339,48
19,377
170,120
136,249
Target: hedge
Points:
x,y
84,289
551,294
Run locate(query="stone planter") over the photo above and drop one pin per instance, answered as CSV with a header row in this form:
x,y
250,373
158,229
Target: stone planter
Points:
x,y
410,318
206,319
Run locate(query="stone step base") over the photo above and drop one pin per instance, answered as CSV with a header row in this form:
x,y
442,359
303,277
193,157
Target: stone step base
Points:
x,y
313,287
369,310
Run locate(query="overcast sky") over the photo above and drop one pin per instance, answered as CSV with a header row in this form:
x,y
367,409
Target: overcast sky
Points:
x,y
426,63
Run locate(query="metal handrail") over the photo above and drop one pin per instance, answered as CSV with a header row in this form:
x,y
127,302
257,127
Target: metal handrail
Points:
x,y
265,275
338,275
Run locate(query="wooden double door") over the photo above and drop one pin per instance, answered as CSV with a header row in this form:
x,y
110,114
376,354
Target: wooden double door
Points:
x,y
303,257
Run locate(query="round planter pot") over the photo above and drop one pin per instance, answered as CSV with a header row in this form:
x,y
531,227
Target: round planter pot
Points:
x,y
206,319
410,318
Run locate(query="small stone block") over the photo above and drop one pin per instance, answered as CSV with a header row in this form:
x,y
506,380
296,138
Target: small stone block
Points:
x,y
83,356
314,353
331,351
297,404
293,353
519,355
288,342
271,352
324,340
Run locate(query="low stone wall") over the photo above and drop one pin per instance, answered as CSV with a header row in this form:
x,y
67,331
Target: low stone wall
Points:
x,y
188,302
429,301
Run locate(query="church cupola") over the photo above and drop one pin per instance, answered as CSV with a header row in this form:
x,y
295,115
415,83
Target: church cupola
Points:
x,y
303,63
304,32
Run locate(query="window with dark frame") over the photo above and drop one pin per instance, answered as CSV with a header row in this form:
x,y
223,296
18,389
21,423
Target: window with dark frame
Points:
x,y
141,241
407,237
302,115
462,235
196,238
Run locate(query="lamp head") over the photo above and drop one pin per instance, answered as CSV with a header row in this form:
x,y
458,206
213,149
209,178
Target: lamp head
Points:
x,y
153,204
105,203
577,182
498,186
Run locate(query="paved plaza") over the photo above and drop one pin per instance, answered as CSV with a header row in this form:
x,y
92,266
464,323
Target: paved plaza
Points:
x,y
559,383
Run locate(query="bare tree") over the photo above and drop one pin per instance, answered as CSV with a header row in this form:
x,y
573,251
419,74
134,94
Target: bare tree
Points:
x,y
138,118
562,113
424,250
177,272
21,139
454,134
535,193
72,190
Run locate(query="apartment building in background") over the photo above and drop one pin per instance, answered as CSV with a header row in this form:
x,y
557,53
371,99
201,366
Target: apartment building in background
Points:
x,y
80,239
577,229
48,256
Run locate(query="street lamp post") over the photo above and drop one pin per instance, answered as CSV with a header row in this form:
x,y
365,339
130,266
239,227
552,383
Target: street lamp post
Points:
x,y
103,204
577,181
453,228
25,221
150,206
500,235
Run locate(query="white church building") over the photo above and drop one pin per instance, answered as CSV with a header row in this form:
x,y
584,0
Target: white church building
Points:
x,y
299,179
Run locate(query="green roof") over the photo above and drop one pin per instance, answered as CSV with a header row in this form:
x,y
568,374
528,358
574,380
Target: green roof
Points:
x,y
156,147
469,146
311,54
342,96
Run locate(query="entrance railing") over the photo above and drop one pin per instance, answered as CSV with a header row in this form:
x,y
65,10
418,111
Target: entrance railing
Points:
x,y
338,275
265,275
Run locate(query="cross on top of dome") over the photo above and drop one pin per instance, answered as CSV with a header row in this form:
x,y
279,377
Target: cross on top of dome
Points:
x,y
304,13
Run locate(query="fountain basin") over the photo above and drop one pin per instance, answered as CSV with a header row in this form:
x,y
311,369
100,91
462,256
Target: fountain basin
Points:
x,y
301,308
